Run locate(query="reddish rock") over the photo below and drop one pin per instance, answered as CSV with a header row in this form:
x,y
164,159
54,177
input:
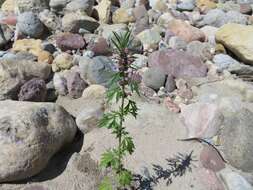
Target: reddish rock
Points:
x,y
70,41
99,46
171,105
186,31
34,90
245,8
75,85
210,159
178,63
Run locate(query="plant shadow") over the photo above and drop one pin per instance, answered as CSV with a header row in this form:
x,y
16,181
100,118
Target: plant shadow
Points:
x,y
176,167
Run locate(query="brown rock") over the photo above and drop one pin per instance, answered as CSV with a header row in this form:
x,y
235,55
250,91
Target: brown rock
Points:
x,y
70,41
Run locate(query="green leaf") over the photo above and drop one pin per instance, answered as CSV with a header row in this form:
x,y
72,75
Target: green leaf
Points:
x,y
125,178
109,159
134,86
106,184
131,108
110,120
128,145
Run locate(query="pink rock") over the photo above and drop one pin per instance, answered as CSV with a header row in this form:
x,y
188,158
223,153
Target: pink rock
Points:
x,y
210,159
186,31
99,46
70,41
202,119
171,105
178,63
9,20
210,180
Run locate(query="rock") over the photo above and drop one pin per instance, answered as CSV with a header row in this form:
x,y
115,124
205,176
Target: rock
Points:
x,y
29,24
45,56
58,5
80,5
223,61
50,20
140,60
237,39
184,91
236,17
149,38
104,11
236,140
122,15
245,8
99,46
209,32
32,5
185,31
243,71
142,19
60,84
205,5
202,119
33,90
62,61
210,159
170,84
14,73
154,78
229,6
186,6
28,45
177,63
74,21
70,41
203,50
49,47
38,131
8,6
94,91
89,117
100,71
75,85
177,43
234,181
171,105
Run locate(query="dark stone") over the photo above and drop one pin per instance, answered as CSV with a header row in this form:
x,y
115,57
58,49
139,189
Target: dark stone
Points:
x,y
70,41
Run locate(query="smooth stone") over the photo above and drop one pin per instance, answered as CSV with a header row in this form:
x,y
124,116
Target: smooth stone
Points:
x,y
154,78
70,41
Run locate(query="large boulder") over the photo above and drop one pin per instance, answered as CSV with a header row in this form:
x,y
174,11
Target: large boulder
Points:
x,y
238,39
30,134
236,140
178,63
14,73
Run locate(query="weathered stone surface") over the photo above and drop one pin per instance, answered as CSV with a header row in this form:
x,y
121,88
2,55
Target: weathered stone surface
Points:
x,y
202,119
99,46
104,11
75,85
31,133
29,24
33,90
32,5
50,20
185,31
203,50
80,5
122,15
13,73
177,63
70,41
62,61
237,38
149,38
236,140
154,78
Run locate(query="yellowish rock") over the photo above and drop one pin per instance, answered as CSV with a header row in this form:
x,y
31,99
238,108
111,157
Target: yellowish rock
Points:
x,y
45,56
9,6
104,11
62,61
28,45
219,48
238,39
205,5
161,6
122,15
94,92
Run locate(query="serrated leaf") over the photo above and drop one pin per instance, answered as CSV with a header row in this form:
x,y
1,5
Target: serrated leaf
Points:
x,y
128,145
125,178
108,159
106,184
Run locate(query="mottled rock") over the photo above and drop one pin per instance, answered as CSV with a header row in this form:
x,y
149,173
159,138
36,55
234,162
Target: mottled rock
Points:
x,y
177,63
29,24
203,50
70,41
50,20
58,5
99,46
185,31
149,38
237,38
31,133
236,140
75,85
94,91
104,11
170,84
60,84
202,119
33,90
80,5
32,5
223,61
122,15
177,43
62,61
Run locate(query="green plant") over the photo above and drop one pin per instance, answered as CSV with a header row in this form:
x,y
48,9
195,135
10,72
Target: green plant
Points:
x,y
121,87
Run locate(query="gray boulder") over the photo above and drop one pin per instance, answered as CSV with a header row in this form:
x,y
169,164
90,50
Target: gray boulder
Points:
x,y
80,5
154,78
29,24
30,134
32,5
236,140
